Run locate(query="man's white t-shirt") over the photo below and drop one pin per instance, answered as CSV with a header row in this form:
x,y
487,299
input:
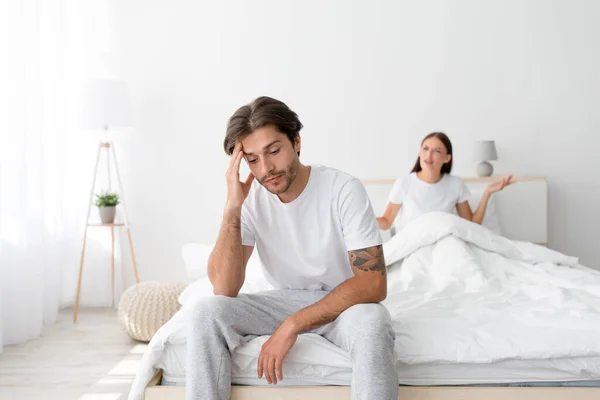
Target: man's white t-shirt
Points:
x,y
304,244
418,197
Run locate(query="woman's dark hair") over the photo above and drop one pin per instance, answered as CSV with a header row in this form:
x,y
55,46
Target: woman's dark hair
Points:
x,y
446,168
261,112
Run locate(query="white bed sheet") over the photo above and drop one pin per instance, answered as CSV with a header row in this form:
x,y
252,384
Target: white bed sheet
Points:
x,y
326,367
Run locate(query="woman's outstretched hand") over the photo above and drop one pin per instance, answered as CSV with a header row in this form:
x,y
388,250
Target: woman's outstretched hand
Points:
x,y
499,184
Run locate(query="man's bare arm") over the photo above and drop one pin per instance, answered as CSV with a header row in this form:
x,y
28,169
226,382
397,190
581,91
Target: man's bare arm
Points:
x,y
368,285
227,262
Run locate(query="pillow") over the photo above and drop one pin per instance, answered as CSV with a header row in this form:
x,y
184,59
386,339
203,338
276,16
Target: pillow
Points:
x,y
491,218
195,256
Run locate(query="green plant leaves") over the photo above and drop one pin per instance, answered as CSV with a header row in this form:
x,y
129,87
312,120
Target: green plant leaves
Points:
x,y
107,199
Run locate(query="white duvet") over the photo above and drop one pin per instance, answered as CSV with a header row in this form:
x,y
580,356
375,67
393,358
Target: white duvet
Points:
x,y
459,293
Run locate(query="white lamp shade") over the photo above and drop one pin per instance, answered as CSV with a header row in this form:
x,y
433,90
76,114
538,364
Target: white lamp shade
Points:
x,y
105,105
485,150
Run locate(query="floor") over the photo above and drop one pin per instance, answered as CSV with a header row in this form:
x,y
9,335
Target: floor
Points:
x,y
90,360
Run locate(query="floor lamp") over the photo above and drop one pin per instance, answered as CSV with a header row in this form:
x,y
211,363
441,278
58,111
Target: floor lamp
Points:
x,y
105,107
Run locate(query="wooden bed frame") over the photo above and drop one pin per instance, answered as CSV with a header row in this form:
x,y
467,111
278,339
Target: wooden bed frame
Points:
x,y
156,392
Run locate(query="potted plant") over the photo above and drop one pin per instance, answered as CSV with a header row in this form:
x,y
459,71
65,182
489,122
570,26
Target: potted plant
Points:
x,y
107,205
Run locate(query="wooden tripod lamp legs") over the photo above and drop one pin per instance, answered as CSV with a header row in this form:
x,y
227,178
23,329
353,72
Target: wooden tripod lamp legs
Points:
x,y
135,270
76,308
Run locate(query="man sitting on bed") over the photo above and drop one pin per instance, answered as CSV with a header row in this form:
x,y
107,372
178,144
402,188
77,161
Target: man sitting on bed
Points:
x,y
318,240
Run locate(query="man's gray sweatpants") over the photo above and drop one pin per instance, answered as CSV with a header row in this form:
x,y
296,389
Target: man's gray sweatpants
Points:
x,y
220,324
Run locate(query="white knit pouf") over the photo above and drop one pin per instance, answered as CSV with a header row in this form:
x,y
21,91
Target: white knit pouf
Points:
x,y
145,307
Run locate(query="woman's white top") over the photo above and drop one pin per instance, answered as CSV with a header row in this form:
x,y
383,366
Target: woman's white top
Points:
x,y
418,197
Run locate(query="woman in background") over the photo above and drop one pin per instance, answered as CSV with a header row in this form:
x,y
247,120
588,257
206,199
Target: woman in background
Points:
x,y
431,187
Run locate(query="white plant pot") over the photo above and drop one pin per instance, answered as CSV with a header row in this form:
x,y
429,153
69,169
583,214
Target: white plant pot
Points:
x,y
107,214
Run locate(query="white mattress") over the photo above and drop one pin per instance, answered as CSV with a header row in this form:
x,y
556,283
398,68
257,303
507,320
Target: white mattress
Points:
x,y
316,361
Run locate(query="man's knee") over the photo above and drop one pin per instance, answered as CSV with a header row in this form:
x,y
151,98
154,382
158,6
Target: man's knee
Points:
x,y
213,309
370,321
372,313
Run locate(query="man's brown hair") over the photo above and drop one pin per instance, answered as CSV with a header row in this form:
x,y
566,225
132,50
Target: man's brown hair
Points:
x,y
261,112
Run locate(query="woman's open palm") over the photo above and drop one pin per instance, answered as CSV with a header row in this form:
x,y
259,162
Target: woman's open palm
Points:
x,y
500,184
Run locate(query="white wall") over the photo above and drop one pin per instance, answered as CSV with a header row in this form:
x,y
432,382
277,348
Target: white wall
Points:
x,y
368,80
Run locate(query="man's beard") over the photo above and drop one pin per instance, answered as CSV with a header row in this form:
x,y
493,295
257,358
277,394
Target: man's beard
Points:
x,y
288,176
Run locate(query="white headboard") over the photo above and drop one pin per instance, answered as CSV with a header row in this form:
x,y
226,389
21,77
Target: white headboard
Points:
x,y
522,207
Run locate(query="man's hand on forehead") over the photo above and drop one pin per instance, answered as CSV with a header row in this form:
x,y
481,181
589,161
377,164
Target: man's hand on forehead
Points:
x,y
237,190
240,147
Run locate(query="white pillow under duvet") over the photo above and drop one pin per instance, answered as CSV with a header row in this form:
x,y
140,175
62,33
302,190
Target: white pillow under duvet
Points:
x,y
491,218
195,256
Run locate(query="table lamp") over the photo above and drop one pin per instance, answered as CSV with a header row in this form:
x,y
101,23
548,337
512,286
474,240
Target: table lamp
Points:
x,y
485,150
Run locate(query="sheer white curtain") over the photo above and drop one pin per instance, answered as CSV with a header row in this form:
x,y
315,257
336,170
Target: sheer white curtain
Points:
x,y
42,192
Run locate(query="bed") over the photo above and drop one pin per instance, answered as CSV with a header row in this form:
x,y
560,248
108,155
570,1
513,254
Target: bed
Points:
x,y
505,318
